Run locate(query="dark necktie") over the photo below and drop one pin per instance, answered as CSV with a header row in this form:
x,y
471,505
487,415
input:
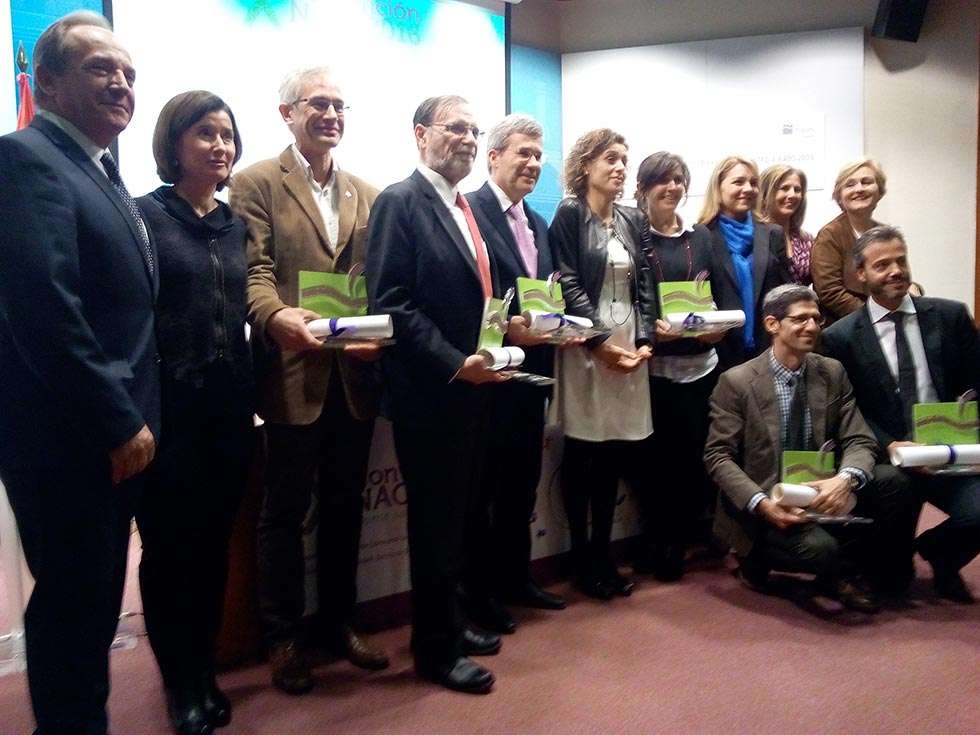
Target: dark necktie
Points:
x,y
907,386
115,180
796,424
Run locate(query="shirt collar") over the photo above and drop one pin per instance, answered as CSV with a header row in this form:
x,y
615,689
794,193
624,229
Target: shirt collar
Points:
x,y
443,188
782,372
877,312
505,202
680,231
92,150
308,169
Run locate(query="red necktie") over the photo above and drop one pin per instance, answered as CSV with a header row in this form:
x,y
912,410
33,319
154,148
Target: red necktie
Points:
x,y
482,259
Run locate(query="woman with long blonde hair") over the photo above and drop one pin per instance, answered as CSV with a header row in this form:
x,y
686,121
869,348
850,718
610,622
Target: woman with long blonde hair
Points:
x,y
782,201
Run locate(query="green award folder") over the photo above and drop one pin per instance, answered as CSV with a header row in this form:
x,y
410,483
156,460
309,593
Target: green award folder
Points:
x,y
494,324
945,423
681,297
801,466
334,294
540,295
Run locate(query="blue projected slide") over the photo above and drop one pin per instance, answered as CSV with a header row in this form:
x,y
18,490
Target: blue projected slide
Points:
x,y
387,55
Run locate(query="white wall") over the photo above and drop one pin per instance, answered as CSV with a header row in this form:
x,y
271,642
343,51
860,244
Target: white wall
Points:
x,y
921,124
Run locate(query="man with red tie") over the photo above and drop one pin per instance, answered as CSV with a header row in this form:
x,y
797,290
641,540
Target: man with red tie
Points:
x,y
429,268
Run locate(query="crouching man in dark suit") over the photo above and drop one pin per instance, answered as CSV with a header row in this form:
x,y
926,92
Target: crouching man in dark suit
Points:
x,y
429,267
80,389
789,398
901,350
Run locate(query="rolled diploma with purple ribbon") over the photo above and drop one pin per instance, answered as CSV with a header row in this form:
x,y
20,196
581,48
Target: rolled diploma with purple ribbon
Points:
x,y
705,321
353,327
938,455
501,358
549,321
789,495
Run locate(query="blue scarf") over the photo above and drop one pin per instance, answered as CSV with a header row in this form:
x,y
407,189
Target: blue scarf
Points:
x,y
738,238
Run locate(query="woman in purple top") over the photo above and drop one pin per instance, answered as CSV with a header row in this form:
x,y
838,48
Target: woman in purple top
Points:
x,y
782,201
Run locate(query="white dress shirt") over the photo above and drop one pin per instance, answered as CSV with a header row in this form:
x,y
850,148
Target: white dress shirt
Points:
x,y
885,329
448,194
92,150
326,197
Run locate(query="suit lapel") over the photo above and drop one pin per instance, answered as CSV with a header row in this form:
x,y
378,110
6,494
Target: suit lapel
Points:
x,y
765,396
722,255
74,152
930,330
347,196
816,396
546,264
447,222
760,258
867,343
296,183
490,206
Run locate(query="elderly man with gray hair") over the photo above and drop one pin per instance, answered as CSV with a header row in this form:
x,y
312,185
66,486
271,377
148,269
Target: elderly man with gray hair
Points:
x,y
306,214
499,537
789,398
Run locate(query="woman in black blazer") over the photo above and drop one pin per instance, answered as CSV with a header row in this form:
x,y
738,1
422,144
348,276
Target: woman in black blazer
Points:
x,y
602,397
749,257
194,486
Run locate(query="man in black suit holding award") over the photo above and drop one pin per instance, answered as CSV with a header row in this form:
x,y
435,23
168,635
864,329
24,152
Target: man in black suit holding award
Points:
x,y
428,266
79,398
900,350
499,536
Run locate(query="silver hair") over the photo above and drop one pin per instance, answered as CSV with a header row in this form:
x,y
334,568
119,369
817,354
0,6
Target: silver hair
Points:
x,y
515,124
779,299
291,87
881,233
52,49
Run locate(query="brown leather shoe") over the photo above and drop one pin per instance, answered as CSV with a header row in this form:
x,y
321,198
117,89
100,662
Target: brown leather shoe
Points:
x,y
854,594
360,651
290,668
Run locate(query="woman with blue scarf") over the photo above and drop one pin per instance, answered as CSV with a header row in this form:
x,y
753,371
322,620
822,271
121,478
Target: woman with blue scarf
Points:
x,y
749,256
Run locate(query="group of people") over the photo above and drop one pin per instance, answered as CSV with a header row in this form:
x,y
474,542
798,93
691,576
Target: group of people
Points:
x,y
129,387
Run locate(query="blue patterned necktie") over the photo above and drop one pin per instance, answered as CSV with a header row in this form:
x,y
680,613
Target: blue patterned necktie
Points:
x,y
112,171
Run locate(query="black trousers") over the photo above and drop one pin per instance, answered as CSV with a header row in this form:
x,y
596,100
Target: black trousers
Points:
x,y
75,528
679,508
328,457
955,541
191,496
881,552
441,468
498,536
590,474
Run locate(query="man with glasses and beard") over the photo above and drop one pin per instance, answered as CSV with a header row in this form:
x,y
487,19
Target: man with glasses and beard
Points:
x,y
429,267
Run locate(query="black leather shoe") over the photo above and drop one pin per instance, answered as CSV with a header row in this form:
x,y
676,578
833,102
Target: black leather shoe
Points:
x,y
460,675
950,585
619,584
593,586
216,705
853,594
186,712
477,643
531,595
491,615
753,577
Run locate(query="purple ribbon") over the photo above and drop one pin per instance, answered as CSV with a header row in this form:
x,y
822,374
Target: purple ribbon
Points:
x,y
693,320
336,331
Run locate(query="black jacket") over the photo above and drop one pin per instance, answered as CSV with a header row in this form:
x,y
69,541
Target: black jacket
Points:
x,y
582,261
952,351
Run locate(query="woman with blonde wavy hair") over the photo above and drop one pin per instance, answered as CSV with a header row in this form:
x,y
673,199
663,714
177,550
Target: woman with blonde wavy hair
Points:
x,y
603,396
749,256
782,201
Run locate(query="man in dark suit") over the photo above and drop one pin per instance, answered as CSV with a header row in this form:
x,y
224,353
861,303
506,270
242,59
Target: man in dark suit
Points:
x,y
901,350
79,399
789,398
428,267
499,537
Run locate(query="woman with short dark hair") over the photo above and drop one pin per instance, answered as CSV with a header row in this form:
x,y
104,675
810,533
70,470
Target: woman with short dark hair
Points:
x,y
194,487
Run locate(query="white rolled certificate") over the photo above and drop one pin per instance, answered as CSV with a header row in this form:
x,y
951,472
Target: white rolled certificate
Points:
x,y
789,495
353,327
705,321
549,321
936,455
501,358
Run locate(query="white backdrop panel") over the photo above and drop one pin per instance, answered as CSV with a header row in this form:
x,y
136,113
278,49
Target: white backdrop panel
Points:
x,y
386,60
794,98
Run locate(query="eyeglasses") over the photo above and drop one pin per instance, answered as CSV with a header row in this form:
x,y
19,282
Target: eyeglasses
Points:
x,y
323,104
460,129
800,321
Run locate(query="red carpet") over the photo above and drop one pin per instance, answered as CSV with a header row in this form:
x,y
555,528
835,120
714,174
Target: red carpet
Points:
x,y
701,656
